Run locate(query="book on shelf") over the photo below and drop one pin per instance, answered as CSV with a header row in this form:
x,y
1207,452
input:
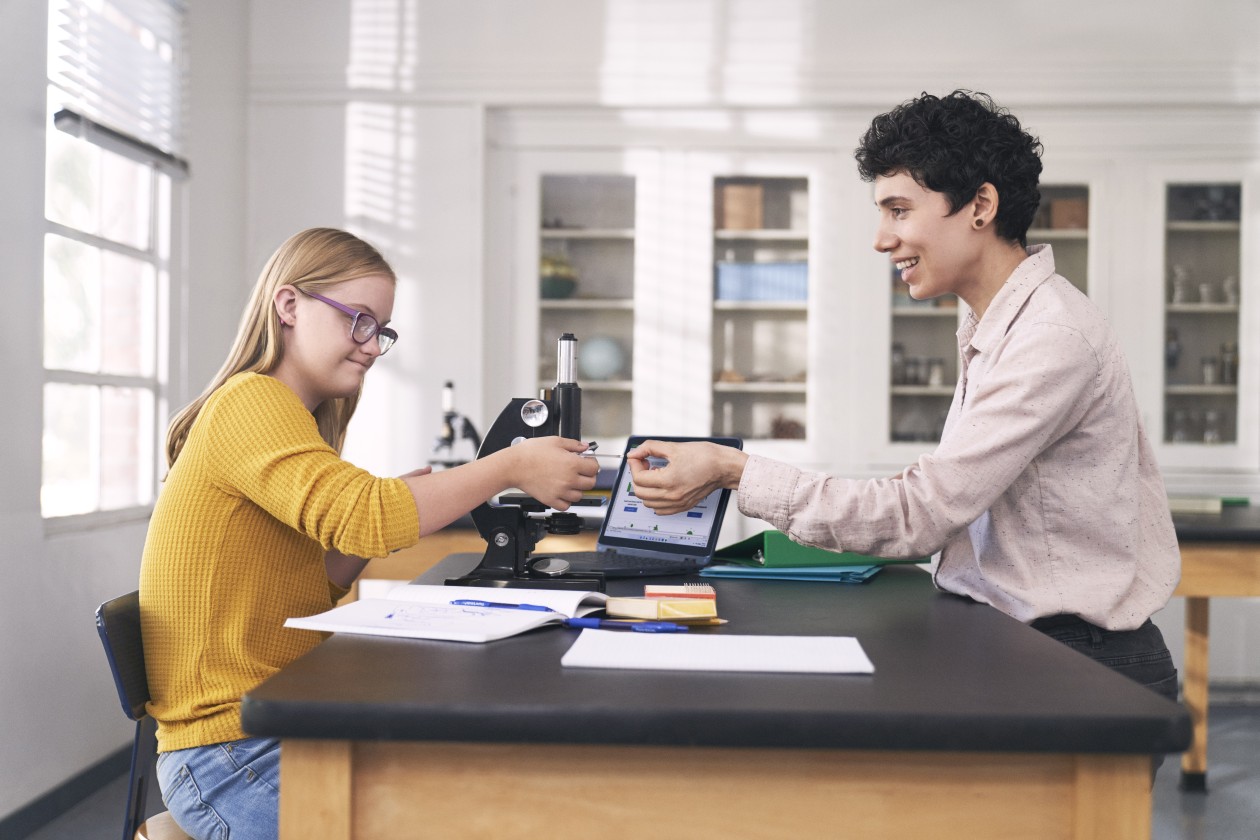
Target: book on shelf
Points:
x,y
454,613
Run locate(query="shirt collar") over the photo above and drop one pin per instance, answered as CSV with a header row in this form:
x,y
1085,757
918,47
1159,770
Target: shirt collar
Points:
x,y
983,333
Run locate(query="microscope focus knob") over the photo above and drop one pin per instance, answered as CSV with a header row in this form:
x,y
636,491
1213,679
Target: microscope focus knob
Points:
x,y
564,523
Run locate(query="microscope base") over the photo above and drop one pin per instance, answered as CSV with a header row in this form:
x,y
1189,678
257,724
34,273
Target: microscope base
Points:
x,y
484,577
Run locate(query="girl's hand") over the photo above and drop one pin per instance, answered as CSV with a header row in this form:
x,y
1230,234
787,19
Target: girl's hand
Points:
x,y
553,470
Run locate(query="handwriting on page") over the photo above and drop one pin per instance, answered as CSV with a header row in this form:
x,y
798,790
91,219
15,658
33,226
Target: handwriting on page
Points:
x,y
437,615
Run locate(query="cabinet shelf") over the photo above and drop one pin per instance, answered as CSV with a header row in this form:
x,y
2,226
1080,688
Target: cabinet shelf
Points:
x,y
1203,308
1203,255
587,233
1204,227
1201,390
607,385
760,305
763,234
759,387
1058,233
922,390
925,311
626,304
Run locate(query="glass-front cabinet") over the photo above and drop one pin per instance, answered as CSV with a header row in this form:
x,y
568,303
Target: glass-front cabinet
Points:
x,y
1202,307
586,267
686,279
727,285
760,297
923,358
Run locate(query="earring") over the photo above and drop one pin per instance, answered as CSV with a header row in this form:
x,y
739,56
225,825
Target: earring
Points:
x,y
979,223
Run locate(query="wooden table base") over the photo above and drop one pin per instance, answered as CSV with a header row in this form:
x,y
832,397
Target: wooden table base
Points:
x,y
335,790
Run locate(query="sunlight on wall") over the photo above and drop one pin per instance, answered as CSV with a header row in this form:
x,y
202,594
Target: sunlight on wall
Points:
x,y
381,148
711,55
647,59
383,39
705,51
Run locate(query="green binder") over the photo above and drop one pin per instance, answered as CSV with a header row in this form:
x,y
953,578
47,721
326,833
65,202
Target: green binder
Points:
x,y
774,549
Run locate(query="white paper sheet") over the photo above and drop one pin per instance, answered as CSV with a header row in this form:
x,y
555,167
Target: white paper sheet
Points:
x,y
718,652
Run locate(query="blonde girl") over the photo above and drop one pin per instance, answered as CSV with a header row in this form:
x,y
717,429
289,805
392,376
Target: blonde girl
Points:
x,y
260,519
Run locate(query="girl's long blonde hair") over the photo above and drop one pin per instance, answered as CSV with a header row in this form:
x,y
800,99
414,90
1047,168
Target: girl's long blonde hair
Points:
x,y
312,260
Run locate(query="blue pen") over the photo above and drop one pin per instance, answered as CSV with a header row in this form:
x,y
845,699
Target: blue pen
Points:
x,y
466,602
636,626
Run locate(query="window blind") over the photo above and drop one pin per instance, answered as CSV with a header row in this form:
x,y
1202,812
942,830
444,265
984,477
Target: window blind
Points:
x,y
119,66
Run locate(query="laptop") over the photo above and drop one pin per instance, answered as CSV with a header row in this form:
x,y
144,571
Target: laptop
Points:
x,y
635,541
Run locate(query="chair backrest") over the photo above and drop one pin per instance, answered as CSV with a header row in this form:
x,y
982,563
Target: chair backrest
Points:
x,y
118,623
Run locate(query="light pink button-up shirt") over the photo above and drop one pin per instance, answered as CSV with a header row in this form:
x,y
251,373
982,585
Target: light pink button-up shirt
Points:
x,y
1043,495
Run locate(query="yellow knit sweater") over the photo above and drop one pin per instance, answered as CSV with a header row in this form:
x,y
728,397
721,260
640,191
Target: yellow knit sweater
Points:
x,y
236,546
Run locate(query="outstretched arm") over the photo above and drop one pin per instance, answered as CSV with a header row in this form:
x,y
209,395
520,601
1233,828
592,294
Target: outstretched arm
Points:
x,y
695,470
551,469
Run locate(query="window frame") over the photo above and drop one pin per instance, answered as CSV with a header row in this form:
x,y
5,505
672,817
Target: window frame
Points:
x,y
163,253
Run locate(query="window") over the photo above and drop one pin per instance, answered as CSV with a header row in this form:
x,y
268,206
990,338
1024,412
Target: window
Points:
x,y
111,172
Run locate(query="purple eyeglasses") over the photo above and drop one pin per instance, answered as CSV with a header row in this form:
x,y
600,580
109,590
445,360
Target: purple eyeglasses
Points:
x,y
362,325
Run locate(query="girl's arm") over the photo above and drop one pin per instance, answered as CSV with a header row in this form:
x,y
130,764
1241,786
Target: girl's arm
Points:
x,y
343,569
550,469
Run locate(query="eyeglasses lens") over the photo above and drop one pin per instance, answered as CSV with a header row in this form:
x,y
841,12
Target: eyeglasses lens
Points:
x,y
366,328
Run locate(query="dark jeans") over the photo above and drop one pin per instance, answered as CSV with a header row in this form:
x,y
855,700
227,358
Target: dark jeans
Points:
x,y
1140,654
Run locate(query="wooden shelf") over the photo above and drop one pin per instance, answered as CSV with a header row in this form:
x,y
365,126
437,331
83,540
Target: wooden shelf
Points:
x,y
1081,234
626,304
1203,308
760,305
759,387
776,235
1204,227
624,386
923,390
587,233
924,311
1201,390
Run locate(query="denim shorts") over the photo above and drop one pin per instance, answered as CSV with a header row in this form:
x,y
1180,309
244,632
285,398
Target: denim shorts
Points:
x,y
228,791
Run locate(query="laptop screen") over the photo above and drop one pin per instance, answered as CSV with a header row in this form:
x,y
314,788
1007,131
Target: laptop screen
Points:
x,y
629,523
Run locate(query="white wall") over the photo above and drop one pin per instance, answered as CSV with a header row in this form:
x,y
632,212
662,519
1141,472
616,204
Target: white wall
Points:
x,y
390,113
57,701
372,114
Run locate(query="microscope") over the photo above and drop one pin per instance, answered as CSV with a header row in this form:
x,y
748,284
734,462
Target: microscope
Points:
x,y
455,428
513,526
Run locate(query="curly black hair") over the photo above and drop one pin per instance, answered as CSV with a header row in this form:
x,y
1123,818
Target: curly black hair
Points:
x,y
952,145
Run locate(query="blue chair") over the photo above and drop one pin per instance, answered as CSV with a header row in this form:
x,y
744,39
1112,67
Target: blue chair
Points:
x,y
118,622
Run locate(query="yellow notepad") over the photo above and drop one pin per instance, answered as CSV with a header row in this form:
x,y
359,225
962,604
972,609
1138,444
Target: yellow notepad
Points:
x,y
661,608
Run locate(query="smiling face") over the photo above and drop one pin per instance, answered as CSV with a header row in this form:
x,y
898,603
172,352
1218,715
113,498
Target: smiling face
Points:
x,y
320,360
935,252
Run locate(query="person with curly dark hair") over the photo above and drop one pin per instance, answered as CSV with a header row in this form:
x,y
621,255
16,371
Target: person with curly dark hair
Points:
x,y
1043,497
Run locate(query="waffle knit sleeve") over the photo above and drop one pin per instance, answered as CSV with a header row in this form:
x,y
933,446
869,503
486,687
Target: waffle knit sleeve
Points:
x,y
263,445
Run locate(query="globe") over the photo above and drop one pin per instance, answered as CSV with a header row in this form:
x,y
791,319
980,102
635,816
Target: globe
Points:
x,y
600,357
